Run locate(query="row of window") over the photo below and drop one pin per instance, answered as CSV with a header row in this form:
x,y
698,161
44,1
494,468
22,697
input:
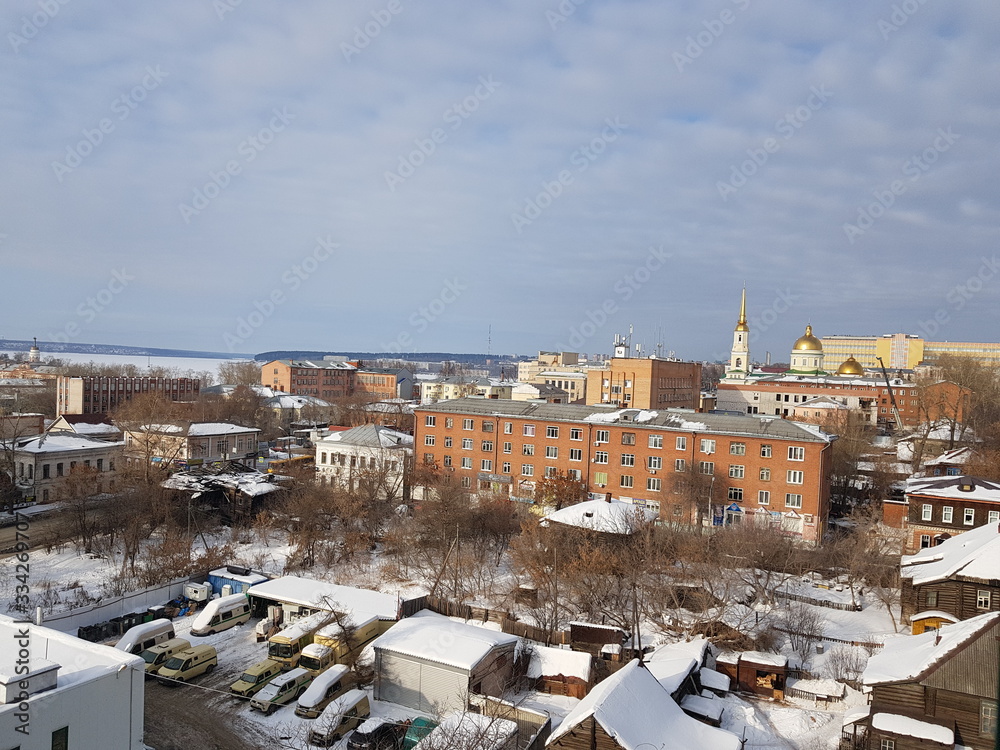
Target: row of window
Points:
x,y
60,468
948,514
984,599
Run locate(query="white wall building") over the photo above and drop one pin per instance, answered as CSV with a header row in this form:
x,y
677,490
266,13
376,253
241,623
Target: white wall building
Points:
x,y
365,453
75,694
44,464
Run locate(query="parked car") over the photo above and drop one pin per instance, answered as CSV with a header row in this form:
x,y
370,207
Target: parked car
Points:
x,y
281,690
156,656
340,717
255,677
376,734
188,663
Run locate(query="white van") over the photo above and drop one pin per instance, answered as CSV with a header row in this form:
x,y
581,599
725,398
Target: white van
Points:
x,y
188,663
281,690
145,635
327,686
157,655
343,715
221,614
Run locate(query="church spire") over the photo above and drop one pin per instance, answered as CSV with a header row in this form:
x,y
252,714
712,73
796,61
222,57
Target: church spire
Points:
x,y
741,324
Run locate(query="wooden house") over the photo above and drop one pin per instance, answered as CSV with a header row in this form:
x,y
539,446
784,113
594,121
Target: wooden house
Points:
x,y
933,691
956,580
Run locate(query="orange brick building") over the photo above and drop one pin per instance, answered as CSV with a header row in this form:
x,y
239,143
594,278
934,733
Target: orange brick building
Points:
x,y
380,385
325,379
650,383
713,468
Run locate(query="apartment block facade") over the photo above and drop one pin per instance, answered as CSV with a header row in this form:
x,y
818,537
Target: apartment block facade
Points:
x,y
903,351
943,507
324,379
710,469
650,383
94,394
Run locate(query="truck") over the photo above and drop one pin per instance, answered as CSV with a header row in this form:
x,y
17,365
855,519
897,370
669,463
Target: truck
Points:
x,y
286,646
331,635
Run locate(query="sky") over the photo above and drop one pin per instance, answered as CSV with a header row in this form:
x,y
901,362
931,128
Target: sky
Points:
x,y
511,176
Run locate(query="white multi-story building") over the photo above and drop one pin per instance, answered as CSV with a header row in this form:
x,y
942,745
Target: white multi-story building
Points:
x,y
73,694
192,445
44,465
369,453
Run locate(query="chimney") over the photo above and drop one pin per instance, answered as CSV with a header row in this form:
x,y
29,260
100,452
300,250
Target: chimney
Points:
x,y
607,497
937,638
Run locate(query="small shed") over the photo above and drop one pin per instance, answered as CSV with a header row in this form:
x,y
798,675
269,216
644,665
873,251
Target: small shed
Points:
x,y
238,578
560,671
703,709
431,663
762,673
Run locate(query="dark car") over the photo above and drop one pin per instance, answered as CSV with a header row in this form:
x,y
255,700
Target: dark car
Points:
x,y
376,734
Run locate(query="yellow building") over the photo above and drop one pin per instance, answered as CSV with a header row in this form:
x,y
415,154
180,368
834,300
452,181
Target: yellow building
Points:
x,y
902,351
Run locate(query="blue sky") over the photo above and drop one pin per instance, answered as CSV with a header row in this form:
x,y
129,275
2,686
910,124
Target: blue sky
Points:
x,y
401,175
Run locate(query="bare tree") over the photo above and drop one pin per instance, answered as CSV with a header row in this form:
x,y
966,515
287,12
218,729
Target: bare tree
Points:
x,y
239,372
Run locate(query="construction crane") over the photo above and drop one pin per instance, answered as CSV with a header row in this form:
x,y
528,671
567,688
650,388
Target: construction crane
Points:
x,y
892,398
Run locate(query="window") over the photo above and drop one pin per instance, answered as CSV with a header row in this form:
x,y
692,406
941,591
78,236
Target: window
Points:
x,y
527,470
600,478
508,428
576,433
466,462
486,465
654,463
680,464
447,441
925,541
736,493
983,599
449,423
487,426
628,438
946,514
931,599
60,739
656,441
993,516
447,459
506,467
736,471
601,457
795,477
467,444
706,467
428,440
793,501
603,436
468,424
551,471
628,459
528,449
575,454
507,447
529,430
887,745
466,482
926,512
796,453
737,449
430,421
988,718
765,475
45,471
969,516
653,484
551,431
487,446
763,497
707,446
59,470
551,451
765,451
626,481
575,474
681,443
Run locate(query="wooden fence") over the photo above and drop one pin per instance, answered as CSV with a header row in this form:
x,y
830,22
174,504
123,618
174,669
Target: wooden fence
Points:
x,y
846,606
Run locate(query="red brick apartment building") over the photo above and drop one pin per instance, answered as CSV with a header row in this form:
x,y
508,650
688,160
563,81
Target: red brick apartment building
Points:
x,y
380,385
95,394
725,469
326,379
650,383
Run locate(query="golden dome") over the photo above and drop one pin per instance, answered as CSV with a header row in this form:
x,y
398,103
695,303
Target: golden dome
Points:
x,y
807,343
851,366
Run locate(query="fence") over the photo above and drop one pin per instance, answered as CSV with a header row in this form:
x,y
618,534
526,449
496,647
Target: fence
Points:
x,y
503,618
847,607
533,728
864,644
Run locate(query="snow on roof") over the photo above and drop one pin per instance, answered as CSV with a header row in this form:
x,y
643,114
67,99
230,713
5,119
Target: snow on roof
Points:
x,y
632,692
707,707
956,456
764,657
54,442
547,661
933,613
250,578
370,436
973,554
983,490
616,517
821,402
201,429
671,673
856,714
307,592
694,649
907,657
251,484
829,688
437,638
316,691
471,730
714,680
908,727
288,401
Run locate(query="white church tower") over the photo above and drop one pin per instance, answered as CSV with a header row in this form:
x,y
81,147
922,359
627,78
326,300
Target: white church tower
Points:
x,y
739,357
